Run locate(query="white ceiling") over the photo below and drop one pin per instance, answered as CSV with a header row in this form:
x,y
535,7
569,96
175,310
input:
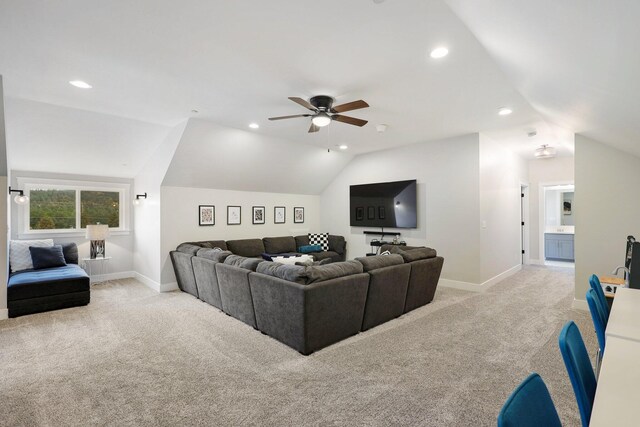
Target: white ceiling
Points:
x,y
575,61
563,67
156,60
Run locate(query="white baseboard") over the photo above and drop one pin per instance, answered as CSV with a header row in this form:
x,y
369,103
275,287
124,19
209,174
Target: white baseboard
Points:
x,y
164,287
4,313
535,262
479,287
580,304
97,278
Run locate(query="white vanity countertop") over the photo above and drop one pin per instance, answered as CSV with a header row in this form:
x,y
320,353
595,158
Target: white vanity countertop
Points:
x,y
559,229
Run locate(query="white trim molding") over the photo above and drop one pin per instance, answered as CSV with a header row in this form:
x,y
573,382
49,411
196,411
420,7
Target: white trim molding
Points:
x,y
164,287
98,278
480,287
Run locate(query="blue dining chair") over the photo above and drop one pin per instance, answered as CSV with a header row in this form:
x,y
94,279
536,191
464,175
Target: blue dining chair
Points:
x,y
529,405
597,316
576,360
594,282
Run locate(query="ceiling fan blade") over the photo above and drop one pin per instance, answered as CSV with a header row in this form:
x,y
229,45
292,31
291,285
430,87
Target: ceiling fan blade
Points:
x,y
355,105
313,128
302,102
289,117
349,120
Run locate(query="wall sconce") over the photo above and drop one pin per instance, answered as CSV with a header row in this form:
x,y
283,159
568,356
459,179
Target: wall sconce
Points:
x,y
20,199
97,233
137,201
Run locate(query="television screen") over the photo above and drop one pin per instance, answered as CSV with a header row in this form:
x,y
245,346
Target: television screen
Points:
x,y
384,204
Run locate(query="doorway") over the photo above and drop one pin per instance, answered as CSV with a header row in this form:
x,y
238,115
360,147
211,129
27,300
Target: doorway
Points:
x,y
524,223
557,224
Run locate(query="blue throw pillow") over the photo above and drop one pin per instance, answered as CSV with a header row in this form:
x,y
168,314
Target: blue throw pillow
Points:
x,y
47,257
309,248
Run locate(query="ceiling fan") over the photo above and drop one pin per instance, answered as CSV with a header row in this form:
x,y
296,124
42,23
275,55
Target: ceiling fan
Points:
x,y
324,111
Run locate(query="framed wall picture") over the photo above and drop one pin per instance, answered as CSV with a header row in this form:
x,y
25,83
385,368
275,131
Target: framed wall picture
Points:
x,y
233,215
298,215
279,215
206,215
258,214
359,213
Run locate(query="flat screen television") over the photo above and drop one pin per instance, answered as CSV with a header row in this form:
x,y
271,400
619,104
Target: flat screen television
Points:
x,y
384,204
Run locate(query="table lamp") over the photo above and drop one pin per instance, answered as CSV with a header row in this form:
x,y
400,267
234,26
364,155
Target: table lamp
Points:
x,y
96,233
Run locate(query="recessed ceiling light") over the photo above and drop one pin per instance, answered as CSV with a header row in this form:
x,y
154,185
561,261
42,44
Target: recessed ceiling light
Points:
x,y
343,147
439,52
254,126
80,84
504,111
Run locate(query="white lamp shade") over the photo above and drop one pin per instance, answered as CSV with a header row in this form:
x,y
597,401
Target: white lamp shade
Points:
x,y
97,231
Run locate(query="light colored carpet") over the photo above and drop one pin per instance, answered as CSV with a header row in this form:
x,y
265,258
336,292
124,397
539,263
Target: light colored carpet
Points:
x,y
135,357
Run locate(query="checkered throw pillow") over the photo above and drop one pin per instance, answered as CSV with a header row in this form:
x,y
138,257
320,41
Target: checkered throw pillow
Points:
x,y
321,239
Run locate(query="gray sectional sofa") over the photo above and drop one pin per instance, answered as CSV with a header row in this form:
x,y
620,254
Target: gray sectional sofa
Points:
x,y
306,307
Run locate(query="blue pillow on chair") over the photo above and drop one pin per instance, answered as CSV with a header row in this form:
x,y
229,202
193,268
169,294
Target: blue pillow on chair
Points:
x,y
47,257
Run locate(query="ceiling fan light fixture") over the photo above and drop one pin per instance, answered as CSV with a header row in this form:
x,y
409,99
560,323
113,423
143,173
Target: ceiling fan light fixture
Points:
x,y
321,119
545,152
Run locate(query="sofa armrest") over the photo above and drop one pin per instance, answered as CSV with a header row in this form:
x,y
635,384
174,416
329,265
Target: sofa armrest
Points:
x,y
337,244
309,317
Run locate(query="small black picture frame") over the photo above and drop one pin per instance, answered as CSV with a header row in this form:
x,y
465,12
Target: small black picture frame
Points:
x,y
279,215
234,215
298,215
258,215
206,215
371,212
359,213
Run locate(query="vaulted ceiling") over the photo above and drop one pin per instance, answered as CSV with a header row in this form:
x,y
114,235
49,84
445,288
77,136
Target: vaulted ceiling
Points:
x,y
557,65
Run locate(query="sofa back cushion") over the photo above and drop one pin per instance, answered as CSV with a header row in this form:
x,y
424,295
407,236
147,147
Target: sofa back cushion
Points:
x,y
213,254
70,251
19,255
246,247
243,262
48,257
291,273
279,245
320,273
188,248
302,240
418,253
379,261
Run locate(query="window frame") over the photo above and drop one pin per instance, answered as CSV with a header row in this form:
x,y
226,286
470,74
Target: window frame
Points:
x,y
29,184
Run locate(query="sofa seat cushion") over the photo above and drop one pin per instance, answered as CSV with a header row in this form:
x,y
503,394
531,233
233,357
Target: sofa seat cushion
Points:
x,y
246,247
279,245
319,256
243,262
291,273
48,281
379,261
320,273
213,254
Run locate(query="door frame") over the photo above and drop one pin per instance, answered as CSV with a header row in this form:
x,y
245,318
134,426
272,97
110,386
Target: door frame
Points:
x,y
525,217
542,211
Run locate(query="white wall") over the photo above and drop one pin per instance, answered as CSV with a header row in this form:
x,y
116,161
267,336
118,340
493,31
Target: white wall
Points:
x,y
606,208
179,218
501,173
147,258
548,171
447,173
119,245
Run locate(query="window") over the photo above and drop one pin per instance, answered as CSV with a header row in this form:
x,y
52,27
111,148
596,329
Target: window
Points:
x,y
66,207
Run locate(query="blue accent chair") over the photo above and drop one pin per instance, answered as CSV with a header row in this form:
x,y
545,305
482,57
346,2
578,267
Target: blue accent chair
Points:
x,y
594,282
576,360
597,316
529,405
